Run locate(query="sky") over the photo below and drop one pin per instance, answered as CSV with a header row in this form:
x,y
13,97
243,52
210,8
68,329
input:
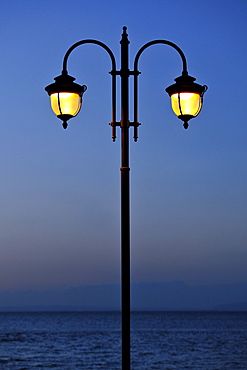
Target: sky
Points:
x,y
60,189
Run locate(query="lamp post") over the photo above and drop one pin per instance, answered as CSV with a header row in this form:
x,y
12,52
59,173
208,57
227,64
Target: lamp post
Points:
x,y
66,101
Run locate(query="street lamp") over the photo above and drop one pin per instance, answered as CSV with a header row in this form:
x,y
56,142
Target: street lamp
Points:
x,y
66,101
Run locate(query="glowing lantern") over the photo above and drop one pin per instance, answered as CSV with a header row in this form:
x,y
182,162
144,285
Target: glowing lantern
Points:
x,y
186,98
66,97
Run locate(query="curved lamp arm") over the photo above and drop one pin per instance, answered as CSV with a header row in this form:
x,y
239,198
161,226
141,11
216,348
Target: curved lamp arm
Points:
x,y
174,46
88,41
136,73
113,71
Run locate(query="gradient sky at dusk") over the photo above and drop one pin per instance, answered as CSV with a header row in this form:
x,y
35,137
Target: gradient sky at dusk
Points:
x,y
60,189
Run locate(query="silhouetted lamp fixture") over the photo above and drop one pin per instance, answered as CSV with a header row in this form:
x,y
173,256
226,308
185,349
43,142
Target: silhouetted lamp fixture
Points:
x,y
186,97
65,97
66,100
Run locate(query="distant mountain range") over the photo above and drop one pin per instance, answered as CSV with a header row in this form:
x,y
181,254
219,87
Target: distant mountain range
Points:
x,y
168,296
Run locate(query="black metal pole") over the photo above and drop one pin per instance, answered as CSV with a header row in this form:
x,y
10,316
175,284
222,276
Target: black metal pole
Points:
x,y
125,202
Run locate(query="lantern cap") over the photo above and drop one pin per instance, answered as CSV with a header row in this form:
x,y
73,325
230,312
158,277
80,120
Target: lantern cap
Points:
x,y
185,83
65,83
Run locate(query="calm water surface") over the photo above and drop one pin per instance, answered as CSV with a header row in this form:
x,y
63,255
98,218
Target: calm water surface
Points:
x,y
160,340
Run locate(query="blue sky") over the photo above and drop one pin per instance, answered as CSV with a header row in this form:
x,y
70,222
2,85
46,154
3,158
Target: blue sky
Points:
x,y
60,189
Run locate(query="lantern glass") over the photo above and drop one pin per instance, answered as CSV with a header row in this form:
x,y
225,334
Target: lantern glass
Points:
x,y
186,103
66,103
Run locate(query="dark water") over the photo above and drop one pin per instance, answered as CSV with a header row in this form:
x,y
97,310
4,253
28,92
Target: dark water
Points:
x,y
160,340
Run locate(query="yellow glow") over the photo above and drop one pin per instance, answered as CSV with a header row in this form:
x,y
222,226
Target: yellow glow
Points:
x,y
190,104
69,103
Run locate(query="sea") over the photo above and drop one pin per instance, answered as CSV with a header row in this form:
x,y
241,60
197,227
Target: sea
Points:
x,y
92,340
